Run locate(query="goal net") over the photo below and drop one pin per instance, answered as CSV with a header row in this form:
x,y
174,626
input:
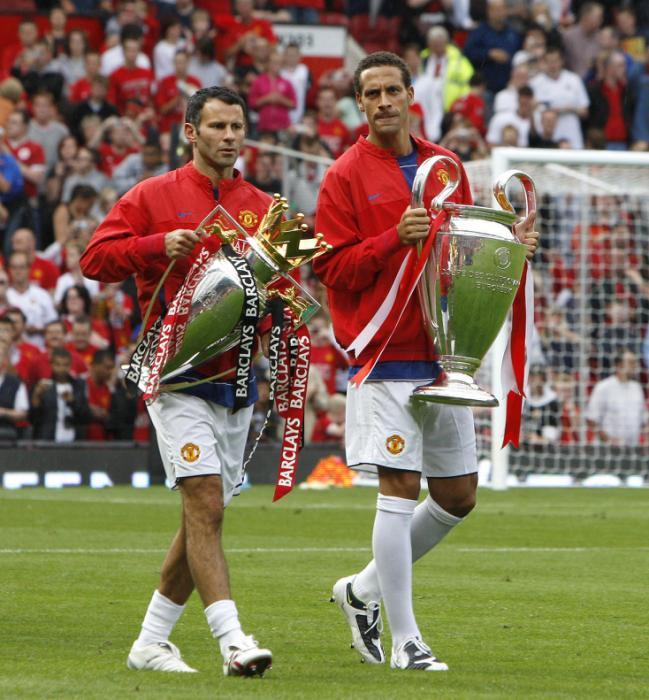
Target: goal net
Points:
x,y
586,411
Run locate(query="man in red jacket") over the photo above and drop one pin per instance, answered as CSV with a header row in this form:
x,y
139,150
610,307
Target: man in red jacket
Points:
x,y
201,438
364,212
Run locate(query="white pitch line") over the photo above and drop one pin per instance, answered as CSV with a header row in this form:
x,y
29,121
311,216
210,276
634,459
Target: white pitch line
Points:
x,y
327,550
175,502
235,550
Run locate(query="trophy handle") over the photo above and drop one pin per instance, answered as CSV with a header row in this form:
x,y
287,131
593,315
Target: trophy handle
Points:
x,y
528,187
422,175
426,286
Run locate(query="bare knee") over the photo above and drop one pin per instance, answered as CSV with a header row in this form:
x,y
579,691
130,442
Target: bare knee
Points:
x,y
399,483
460,507
456,495
202,503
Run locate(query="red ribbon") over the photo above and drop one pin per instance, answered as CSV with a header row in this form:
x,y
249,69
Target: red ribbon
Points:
x,y
406,288
515,396
290,400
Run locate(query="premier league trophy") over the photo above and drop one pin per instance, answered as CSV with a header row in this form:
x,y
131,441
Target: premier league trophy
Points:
x,y
225,292
469,282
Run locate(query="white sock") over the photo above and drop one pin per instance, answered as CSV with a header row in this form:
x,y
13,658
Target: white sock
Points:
x,y
393,556
161,616
223,619
430,525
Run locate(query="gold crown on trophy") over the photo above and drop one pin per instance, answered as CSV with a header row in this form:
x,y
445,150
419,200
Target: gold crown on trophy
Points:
x,y
284,240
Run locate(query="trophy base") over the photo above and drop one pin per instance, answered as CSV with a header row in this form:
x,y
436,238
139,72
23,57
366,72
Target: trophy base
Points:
x,y
458,390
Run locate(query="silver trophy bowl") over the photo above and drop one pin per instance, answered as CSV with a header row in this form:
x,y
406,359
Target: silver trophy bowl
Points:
x,y
469,282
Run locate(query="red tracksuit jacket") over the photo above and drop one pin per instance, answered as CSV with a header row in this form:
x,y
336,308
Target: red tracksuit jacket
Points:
x,y
130,240
362,198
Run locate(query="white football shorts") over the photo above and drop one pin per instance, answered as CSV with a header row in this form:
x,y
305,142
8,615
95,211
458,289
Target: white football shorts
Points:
x,y
384,428
197,437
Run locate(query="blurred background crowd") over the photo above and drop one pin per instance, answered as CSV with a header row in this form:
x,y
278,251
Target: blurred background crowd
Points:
x,y
84,118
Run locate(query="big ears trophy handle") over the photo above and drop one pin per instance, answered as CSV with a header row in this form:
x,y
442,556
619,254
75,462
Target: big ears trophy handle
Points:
x,y
528,188
452,172
450,177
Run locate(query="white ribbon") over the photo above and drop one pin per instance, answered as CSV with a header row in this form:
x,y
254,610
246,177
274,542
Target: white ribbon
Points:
x,y
365,336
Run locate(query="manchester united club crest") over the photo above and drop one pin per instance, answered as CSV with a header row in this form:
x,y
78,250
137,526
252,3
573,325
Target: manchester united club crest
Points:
x,y
395,444
190,452
442,176
248,219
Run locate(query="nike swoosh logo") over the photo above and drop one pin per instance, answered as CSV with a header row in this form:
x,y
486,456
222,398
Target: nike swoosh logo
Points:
x,y
349,596
183,214
372,197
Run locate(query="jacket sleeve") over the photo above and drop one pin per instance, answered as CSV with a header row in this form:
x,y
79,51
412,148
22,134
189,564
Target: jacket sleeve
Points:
x,y
354,262
123,245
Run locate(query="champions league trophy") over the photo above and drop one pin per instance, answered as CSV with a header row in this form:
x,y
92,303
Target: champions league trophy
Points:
x,y
469,282
217,296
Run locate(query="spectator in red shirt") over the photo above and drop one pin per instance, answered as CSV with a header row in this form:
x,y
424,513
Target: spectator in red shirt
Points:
x,y
130,82
79,341
273,97
115,307
112,411
54,338
100,378
611,105
20,364
23,50
29,154
116,139
76,302
325,356
173,92
330,425
25,357
242,30
80,89
41,271
331,130
472,106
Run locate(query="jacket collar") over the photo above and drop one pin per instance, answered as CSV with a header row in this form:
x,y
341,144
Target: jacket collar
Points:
x,y
424,149
224,186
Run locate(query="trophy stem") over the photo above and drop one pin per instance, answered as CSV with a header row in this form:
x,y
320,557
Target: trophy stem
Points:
x,y
457,389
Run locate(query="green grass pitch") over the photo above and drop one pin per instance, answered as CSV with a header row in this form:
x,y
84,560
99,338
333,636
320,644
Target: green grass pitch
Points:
x,y
541,593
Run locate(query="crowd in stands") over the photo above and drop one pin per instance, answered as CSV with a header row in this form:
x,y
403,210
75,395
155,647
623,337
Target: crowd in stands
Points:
x,y
83,120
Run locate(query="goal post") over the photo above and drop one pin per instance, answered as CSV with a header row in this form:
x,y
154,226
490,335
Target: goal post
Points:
x,y
591,304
